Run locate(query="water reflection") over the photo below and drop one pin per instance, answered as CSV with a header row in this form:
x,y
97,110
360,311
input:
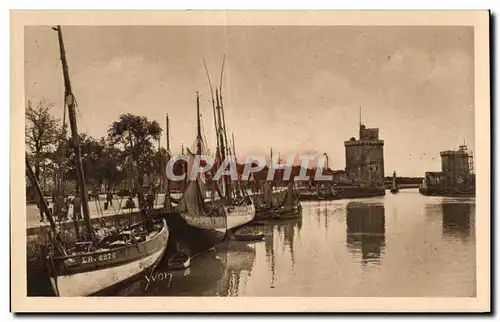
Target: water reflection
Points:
x,y
215,273
433,213
366,230
457,218
323,214
239,259
431,253
282,233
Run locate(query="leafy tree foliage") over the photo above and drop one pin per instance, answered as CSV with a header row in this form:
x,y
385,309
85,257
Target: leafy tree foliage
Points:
x,y
42,132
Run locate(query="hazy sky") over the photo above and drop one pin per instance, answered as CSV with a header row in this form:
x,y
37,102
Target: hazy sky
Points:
x,y
295,89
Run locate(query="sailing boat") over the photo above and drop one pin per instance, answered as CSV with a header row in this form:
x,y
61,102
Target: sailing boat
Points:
x,y
266,205
394,188
240,207
197,224
291,206
94,264
238,204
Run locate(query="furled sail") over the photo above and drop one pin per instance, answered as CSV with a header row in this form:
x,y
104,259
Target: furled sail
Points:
x,y
268,194
191,201
289,196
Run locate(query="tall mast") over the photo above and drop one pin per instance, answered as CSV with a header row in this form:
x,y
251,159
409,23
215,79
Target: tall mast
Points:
x,y
239,183
213,104
168,132
198,125
168,203
271,159
234,146
62,146
160,161
221,102
223,121
223,146
70,101
42,202
44,207
184,170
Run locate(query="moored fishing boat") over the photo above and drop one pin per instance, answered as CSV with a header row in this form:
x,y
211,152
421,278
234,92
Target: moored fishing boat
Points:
x,y
197,224
115,260
238,205
240,215
96,263
290,208
200,222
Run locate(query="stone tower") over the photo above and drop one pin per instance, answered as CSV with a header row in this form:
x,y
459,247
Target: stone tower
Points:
x,y
365,157
455,167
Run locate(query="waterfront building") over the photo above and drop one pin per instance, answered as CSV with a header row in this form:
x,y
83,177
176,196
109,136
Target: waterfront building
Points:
x,y
455,166
365,157
457,170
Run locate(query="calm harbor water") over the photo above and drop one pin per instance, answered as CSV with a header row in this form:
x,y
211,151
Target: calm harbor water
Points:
x,y
397,245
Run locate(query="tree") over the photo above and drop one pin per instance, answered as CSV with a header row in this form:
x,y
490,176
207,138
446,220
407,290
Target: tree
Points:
x,y
113,169
135,135
102,162
42,131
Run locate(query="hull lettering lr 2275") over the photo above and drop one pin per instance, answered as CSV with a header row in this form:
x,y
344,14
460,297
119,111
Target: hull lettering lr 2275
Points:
x,y
98,258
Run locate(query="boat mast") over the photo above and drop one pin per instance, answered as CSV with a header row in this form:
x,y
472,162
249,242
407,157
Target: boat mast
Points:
x,y
42,202
223,123
213,104
45,208
70,102
224,132
168,203
222,104
234,146
62,156
238,183
168,132
198,125
223,149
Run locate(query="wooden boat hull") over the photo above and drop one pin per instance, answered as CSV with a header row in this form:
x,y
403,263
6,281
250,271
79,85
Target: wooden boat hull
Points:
x,y
279,213
315,197
344,192
239,216
446,192
287,213
252,237
181,261
90,273
197,234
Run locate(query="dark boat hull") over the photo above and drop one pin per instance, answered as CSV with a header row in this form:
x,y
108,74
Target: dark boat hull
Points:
x,y
346,192
279,213
249,237
194,234
90,273
238,217
315,197
446,192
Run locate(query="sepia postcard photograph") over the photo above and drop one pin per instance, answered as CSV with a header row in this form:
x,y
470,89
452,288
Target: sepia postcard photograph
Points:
x,y
250,161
